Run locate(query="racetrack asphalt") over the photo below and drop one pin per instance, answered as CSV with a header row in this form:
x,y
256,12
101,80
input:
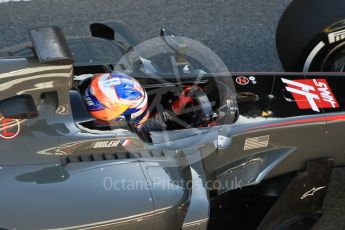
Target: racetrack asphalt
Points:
x,y
241,32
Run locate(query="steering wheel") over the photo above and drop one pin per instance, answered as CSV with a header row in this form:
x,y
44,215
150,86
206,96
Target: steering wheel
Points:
x,y
193,108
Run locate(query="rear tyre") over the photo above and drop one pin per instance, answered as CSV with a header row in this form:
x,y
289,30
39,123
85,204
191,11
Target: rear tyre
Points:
x,y
311,36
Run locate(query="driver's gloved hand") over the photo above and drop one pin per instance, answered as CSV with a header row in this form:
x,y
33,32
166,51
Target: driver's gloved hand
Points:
x,y
157,122
154,123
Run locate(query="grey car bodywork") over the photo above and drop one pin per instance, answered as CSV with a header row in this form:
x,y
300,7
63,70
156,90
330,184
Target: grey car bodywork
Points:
x,y
58,174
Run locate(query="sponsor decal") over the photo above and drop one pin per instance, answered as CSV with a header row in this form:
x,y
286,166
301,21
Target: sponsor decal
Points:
x,y
106,144
312,94
112,144
9,128
256,142
336,36
311,192
242,80
252,79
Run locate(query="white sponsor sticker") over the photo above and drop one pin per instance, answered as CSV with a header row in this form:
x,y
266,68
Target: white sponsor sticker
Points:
x,y
336,36
256,142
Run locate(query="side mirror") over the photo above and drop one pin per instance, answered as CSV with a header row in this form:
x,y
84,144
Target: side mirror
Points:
x,y
19,107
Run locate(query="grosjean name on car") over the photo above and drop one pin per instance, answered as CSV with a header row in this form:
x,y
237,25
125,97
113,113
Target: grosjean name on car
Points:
x,y
106,144
112,143
312,94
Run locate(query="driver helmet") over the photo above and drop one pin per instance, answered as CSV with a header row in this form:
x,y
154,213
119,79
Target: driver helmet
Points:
x,y
115,97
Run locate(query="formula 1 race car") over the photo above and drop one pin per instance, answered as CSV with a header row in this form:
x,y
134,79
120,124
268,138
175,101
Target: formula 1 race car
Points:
x,y
254,150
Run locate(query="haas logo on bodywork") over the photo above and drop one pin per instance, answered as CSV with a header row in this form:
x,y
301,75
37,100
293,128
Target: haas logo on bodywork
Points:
x,y
312,94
